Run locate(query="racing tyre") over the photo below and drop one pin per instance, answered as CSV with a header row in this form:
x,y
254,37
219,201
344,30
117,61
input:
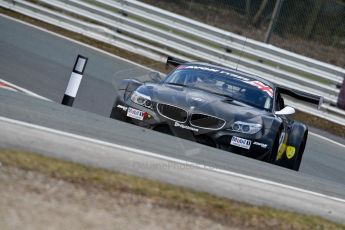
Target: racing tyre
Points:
x,y
292,157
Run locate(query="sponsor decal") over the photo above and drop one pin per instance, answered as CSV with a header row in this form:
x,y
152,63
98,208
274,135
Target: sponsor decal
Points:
x,y
201,68
234,76
262,145
124,108
136,114
262,87
290,152
240,142
177,124
214,71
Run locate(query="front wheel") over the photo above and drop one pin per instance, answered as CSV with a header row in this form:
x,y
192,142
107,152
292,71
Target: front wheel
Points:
x,y
292,157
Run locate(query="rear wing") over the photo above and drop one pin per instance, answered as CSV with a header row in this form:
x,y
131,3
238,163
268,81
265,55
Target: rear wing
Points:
x,y
174,62
307,97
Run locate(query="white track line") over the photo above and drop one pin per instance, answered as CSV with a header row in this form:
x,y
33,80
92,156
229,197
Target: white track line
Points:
x,y
117,57
327,139
28,92
171,159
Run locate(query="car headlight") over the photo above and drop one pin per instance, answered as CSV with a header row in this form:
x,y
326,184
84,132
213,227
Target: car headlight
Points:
x,y
244,127
141,99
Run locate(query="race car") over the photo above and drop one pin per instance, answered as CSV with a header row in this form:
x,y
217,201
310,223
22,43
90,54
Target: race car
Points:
x,y
220,107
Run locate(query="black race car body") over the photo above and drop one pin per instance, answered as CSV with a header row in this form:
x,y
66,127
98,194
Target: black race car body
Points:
x,y
220,107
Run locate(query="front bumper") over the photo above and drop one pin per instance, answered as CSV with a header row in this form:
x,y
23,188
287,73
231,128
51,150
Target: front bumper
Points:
x,y
260,143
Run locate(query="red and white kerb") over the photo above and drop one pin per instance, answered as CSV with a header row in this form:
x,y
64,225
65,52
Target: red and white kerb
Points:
x,y
8,87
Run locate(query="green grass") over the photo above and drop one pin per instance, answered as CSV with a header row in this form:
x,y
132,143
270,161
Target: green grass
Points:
x,y
225,211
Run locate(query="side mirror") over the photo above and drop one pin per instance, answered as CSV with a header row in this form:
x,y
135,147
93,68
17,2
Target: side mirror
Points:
x,y
286,111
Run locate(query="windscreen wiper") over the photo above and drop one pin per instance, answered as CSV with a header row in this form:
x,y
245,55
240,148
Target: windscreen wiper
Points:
x,y
178,84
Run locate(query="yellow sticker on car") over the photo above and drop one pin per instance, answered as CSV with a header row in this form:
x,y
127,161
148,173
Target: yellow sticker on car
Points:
x,y
290,152
282,145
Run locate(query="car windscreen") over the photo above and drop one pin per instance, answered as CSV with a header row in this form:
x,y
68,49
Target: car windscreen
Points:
x,y
240,88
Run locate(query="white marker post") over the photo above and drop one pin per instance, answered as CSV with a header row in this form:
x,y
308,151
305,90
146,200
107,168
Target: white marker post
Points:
x,y
74,81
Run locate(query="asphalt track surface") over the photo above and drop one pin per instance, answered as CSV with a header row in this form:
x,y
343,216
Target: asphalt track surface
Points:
x,y
42,62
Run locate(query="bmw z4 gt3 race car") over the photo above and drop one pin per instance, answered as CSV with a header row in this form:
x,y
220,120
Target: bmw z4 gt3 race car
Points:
x,y
219,107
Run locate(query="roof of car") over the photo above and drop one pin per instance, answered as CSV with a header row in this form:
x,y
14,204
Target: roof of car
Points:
x,y
232,71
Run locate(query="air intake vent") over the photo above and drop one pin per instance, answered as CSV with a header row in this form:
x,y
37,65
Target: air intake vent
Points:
x,y
206,121
172,112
